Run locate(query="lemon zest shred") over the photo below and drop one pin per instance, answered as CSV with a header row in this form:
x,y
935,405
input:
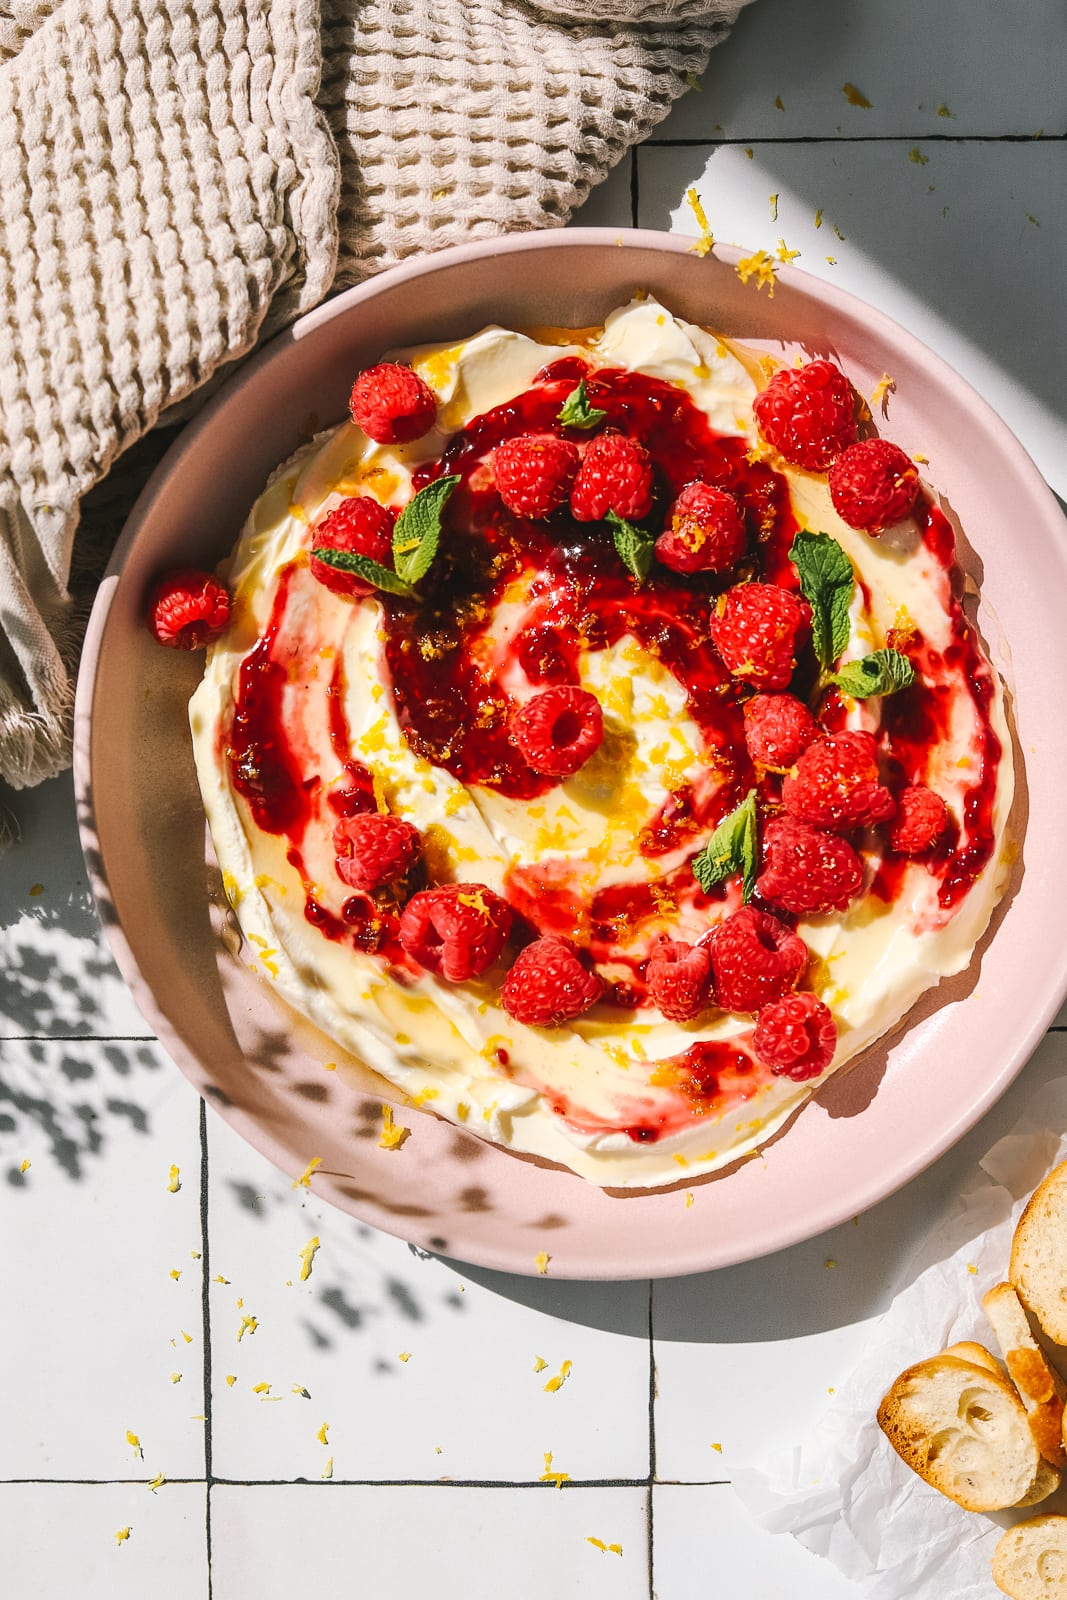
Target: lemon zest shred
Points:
x,y
707,238
393,1133
122,1535
560,1379
307,1256
327,1471
174,1182
540,1364
541,1261
175,1377
248,1325
158,1481
304,1180
261,1388
758,265
24,1166
916,157
323,1434
605,1549
186,1336
688,1198
231,1379
405,1355
548,1476
854,96
132,1439
175,1273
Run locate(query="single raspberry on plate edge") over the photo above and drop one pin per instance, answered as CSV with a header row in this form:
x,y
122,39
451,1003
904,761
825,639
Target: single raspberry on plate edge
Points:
x,y
778,729
795,1037
705,531
678,978
188,608
534,473
755,628
873,484
361,525
807,413
558,730
806,870
548,984
457,930
373,849
615,475
754,959
392,404
921,819
836,785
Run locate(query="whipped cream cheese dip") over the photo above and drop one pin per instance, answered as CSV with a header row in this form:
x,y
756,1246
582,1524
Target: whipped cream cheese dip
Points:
x,y
310,694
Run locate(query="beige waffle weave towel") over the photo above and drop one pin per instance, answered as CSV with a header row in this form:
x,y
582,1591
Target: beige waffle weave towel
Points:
x,y
180,178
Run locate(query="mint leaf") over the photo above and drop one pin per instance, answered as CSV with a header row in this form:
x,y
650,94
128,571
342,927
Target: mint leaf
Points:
x,y
363,567
576,411
884,672
827,583
635,545
733,847
418,529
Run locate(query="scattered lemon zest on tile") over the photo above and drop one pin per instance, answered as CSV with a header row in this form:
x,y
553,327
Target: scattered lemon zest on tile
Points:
x,y
838,234
304,1180
778,103
175,1377
829,1262
541,1262
218,1278
393,1133
831,261
854,96
248,1325
614,1549
749,152
158,1481
760,266
548,1476
943,111
174,1182
195,1254
707,239
24,1166
261,1388
186,1336
560,1379
818,218
132,1439
437,1449
298,1388
36,889
307,1256
175,1273
1034,220
322,1435
405,1355
773,202
693,82
916,157
830,1390
327,1471
122,1535
717,1448
231,1379
539,1364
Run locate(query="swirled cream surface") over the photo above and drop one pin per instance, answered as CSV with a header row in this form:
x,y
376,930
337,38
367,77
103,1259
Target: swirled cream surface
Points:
x,y
311,699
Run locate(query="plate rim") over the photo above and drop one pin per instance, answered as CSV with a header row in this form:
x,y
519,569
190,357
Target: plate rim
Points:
x,y
826,295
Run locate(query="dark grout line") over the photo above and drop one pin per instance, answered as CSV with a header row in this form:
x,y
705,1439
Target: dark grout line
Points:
x,y
426,1483
650,1515
862,138
205,1318
79,1038
60,1483
635,190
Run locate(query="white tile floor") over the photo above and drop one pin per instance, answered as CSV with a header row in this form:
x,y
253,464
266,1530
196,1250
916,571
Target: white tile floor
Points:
x,y
436,1461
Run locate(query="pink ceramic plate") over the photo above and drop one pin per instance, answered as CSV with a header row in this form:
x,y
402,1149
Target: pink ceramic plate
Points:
x,y
262,1068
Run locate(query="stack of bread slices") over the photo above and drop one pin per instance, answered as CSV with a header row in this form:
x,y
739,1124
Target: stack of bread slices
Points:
x,y
991,1439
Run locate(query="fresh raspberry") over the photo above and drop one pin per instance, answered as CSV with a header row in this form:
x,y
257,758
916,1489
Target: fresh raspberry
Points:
x,y
806,870
679,979
392,404
362,526
756,630
795,1037
873,484
457,930
373,850
807,414
754,959
187,609
558,730
778,727
615,475
534,473
548,985
835,784
921,819
705,531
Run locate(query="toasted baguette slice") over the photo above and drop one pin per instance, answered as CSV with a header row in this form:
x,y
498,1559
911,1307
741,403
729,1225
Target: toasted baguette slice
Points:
x,y
1030,1561
1041,1390
961,1426
1038,1269
966,1351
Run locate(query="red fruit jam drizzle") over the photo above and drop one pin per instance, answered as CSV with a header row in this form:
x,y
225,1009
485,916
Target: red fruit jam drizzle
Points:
x,y
447,670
